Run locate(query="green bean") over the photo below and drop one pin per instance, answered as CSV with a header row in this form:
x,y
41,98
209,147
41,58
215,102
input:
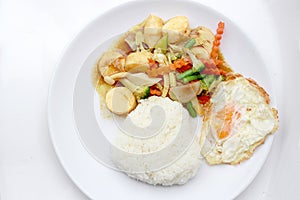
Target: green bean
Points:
x,y
191,110
190,43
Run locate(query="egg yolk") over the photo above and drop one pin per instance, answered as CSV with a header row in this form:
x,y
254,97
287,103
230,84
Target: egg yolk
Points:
x,y
228,115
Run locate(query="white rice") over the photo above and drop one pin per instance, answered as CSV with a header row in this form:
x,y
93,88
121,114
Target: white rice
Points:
x,y
153,170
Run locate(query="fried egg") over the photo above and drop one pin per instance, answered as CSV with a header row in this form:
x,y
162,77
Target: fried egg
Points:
x,y
238,119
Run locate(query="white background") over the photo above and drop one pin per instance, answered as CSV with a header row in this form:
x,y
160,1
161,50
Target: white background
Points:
x,y
33,34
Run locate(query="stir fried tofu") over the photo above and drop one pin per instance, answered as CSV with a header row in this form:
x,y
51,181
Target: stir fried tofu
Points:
x,y
177,29
137,62
153,30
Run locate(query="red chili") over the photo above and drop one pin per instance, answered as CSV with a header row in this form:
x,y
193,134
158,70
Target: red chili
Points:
x,y
203,99
184,68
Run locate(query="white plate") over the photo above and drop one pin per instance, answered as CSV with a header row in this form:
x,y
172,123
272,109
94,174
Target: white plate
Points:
x,y
72,83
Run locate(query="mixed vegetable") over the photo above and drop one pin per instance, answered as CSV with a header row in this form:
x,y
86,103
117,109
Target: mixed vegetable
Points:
x,y
167,59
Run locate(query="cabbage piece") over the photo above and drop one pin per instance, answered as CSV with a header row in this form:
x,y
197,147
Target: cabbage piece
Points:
x,y
141,79
185,93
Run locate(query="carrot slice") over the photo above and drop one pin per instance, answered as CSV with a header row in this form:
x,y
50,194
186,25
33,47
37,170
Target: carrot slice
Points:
x,y
155,91
217,41
180,65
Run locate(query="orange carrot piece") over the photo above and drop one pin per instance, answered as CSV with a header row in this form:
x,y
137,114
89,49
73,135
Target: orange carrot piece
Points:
x,y
217,41
155,91
179,64
183,64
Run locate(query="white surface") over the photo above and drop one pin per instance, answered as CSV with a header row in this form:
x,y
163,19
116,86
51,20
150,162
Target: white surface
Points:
x,y
32,37
71,97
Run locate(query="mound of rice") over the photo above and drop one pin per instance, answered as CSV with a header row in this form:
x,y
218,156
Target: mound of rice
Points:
x,y
176,165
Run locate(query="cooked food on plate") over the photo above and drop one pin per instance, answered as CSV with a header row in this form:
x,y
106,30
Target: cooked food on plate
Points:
x,y
180,167
238,119
181,69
